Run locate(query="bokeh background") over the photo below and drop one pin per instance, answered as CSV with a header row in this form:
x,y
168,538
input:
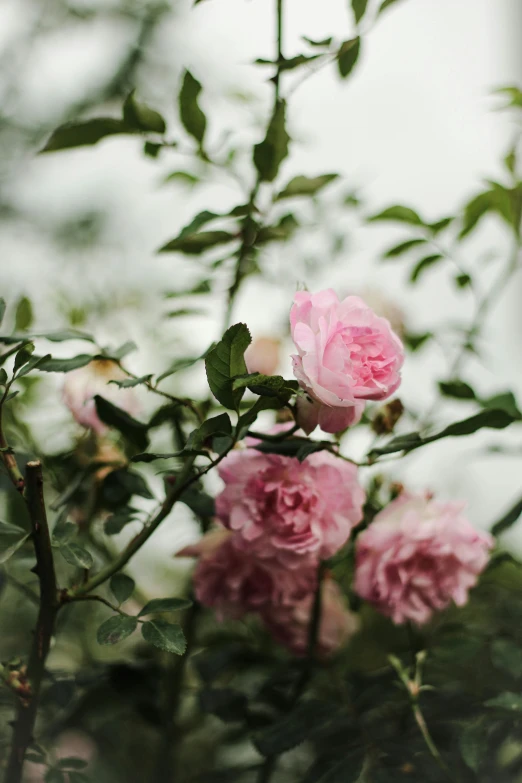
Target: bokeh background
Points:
x,y
417,124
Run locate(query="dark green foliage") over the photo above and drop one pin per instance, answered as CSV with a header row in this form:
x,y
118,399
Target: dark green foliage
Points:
x,y
348,56
122,587
166,636
224,361
132,429
116,629
192,117
270,153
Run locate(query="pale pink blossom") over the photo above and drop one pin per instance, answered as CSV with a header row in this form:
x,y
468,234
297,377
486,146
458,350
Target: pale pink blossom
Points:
x,y
310,414
290,625
278,504
82,385
385,307
417,556
262,355
345,352
234,581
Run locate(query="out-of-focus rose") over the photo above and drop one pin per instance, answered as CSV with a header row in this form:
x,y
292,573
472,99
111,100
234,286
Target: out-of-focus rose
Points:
x,y
345,352
290,626
233,581
262,355
206,545
384,307
83,384
278,504
310,414
417,556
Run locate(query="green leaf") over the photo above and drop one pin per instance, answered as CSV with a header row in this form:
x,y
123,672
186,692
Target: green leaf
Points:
x,y
291,63
505,401
122,587
270,153
23,356
76,555
48,364
194,244
2,309
80,134
203,287
493,419
121,484
507,656
267,386
514,93
414,341
225,361
130,382
403,247
457,388
184,177
117,521
165,636
463,280
305,186
440,225
300,448
71,762
165,605
510,702
324,42
294,728
62,335
510,160
192,118
11,539
120,353
473,742
180,364
424,264
386,4
398,213
133,430
359,9
508,520
246,419
348,55
116,629
23,314
141,117
217,425
201,504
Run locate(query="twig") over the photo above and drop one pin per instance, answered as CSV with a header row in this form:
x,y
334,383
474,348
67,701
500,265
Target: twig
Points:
x,y
8,458
27,708
68,599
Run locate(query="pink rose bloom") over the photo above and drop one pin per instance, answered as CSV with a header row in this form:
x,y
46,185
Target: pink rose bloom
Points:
x,y
345,352
278,504
234,581
310,414
290,625
262,355
417,556
83,384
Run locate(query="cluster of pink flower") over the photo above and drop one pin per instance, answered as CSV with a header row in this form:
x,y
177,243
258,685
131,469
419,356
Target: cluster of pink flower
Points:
x,y
279,518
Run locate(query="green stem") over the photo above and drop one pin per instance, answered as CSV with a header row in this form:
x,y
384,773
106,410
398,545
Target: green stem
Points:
x,y
8,458
430,744
27,708
98,598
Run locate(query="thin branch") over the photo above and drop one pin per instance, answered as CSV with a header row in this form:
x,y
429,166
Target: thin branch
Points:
x,y
100,599
8,457
27,708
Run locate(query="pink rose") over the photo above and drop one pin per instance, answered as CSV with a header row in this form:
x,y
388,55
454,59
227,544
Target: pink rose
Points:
x,y
417,556
345,352
310,414
83,384
234,581
278,504
290,625
263,355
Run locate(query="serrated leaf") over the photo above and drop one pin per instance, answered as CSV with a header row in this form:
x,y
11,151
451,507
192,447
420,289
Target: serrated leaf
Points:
x,y
64,365
224,362
510,702
217,425
507,656
129,383
165,636
141,117
116,629
122,587
267,386
457,388
11,539
76,555
23,314
359,9
165,605
398,213
508,520
191,115
348,55
305,186
424,264
80,134
115,417
270,153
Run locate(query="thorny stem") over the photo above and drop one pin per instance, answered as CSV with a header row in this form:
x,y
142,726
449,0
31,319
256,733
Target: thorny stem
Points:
x,y
27,708
8,457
